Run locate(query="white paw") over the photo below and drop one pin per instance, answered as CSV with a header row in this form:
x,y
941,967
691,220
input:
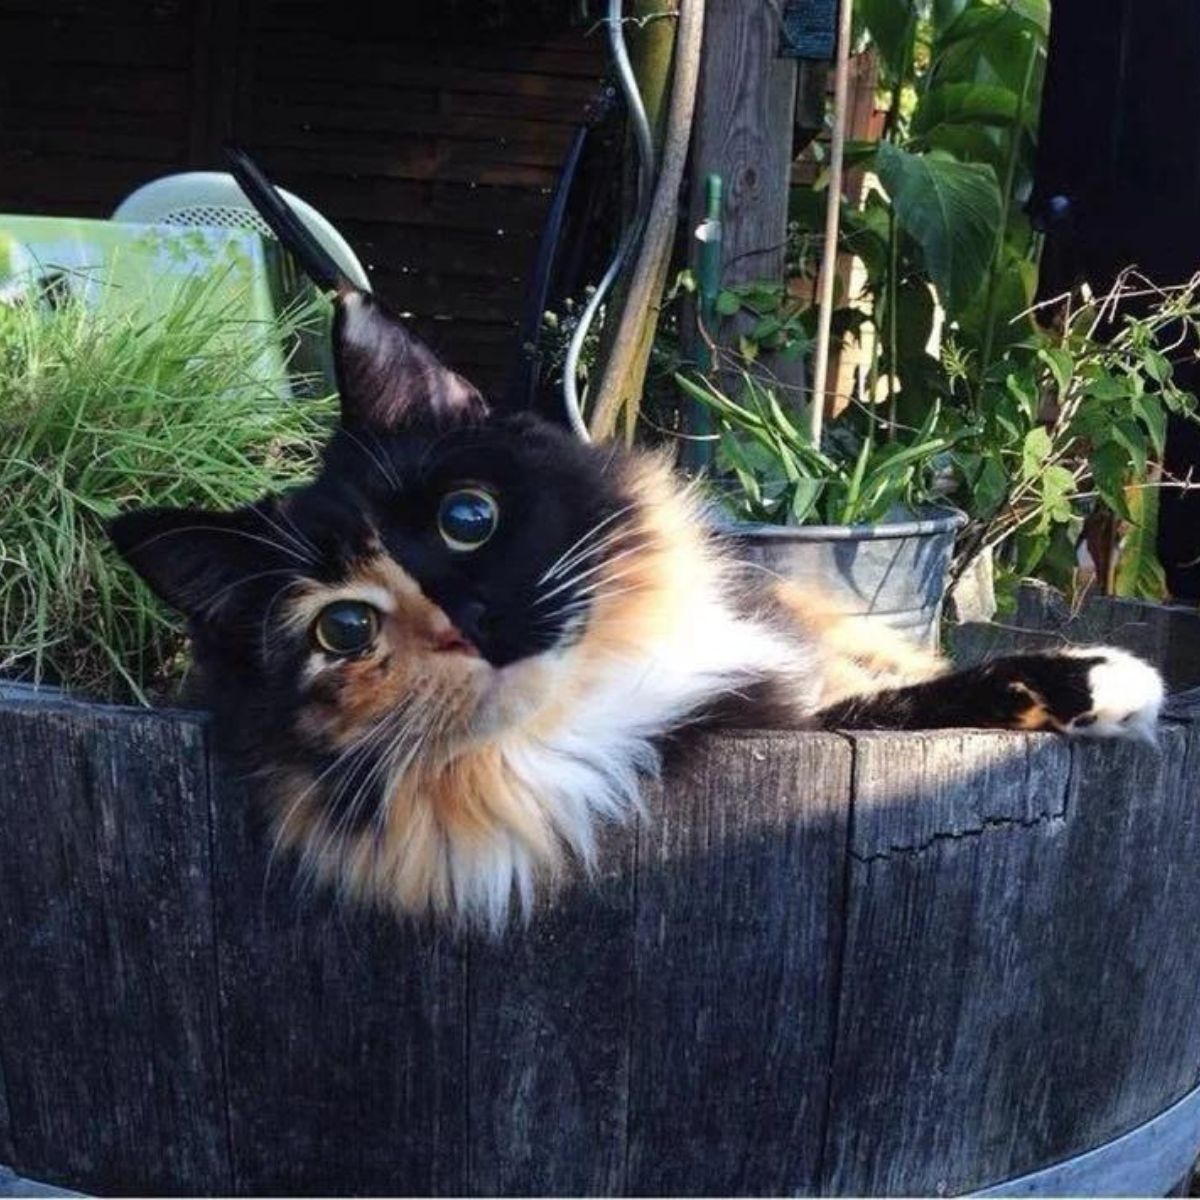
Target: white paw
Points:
x,y
1127,695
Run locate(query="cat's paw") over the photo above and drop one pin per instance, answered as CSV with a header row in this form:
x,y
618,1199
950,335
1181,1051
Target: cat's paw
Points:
x,y
1085,691
1126,695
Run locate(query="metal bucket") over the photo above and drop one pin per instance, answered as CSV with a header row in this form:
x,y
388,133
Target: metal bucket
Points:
x,y
893,572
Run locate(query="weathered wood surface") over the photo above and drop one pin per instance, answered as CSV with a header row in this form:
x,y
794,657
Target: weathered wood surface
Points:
x,y
739,900
1064,884
109,1039
1168,635
869,964
743,131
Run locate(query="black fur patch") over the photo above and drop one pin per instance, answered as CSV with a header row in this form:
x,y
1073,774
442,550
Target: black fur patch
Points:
x,y
1016,692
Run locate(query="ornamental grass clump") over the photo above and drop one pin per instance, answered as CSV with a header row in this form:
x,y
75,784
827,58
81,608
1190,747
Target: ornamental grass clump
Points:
x,y
102,410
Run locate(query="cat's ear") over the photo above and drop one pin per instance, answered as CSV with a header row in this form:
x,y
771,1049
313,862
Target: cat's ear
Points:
x,y
197,561
389,379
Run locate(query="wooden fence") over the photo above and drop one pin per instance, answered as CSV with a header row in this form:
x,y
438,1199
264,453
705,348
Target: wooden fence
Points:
x,y
433,145
842,964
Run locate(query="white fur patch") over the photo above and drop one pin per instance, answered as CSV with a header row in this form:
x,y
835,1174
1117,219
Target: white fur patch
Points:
x,y
586,773
1127,695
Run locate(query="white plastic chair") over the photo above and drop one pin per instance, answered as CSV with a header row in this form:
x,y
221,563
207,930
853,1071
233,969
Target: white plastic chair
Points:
x,y
214,198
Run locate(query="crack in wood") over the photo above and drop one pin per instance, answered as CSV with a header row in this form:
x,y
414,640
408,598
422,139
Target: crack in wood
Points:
x,y
987,825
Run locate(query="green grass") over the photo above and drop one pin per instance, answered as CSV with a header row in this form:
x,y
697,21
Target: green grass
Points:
x,y
103,411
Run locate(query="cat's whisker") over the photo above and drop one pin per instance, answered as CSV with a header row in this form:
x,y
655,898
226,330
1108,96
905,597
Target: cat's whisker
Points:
x,y
264,627
383,765
589,601
242,533
556,567
354,748
398,769
237,583
300,535
383,468
579,576
594,550
296,540
384,731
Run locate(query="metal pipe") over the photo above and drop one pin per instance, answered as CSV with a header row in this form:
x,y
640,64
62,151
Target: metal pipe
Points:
x,y
646,170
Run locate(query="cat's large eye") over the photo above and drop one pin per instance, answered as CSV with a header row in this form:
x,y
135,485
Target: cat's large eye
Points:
x,y
467,517
346,627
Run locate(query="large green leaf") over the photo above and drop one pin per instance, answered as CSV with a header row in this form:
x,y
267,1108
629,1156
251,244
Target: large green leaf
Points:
x,y
966,104
1016,286
989,44
952,210
1139,572
892,25
945,12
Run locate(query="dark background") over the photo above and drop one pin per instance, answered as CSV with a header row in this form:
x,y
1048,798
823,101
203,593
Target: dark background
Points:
x,y
430,132
1121,143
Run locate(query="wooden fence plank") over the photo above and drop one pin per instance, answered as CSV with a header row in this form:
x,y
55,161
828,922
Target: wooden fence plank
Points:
x,y
120,89
345,1034
365,65
1005,928
406,50
446,205
418,160
739,909
453,297
409,114
6,1145
471,254
743,131
550,1030
86,39
108,1009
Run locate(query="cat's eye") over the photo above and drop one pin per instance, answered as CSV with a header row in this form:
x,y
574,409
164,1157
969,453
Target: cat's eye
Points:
x,y
346,627
467,517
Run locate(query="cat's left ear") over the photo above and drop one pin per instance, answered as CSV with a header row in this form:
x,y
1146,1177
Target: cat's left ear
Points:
x,y
198,561
388,378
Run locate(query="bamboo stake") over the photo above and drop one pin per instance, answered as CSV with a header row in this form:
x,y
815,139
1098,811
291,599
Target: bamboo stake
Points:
x,y
624,373
833,213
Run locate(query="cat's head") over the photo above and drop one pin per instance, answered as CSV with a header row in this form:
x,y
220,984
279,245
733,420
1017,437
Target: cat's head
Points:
x,y
435,587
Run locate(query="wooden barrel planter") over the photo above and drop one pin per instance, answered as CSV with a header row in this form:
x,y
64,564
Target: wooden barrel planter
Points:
x,y
870,964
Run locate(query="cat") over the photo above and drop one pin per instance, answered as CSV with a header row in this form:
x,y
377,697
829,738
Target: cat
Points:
x,y
453,655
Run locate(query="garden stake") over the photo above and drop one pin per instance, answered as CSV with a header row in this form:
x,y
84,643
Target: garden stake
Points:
x,y
832,218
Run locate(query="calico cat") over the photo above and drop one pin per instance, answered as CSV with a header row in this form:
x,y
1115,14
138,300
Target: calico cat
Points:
x,y
455,653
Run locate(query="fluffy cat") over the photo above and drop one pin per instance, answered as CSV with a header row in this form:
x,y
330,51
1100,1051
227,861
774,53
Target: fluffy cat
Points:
x,y
454,654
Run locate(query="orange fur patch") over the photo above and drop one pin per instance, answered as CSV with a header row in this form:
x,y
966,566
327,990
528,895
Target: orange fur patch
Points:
x,y
859,656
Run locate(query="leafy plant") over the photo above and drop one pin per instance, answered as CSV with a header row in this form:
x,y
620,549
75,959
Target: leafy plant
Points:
x,y
779,325
1046,426
783,478
100,411
1072,428
962,82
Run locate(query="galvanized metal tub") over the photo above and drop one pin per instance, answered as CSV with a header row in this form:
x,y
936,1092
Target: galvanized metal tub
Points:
x,y
894,572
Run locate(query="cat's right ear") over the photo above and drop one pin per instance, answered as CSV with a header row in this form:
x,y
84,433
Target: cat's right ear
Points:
x,y
387,378
196,561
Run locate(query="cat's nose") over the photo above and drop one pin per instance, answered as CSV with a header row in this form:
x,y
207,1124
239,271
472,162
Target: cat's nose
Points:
x,y
450,640
471,619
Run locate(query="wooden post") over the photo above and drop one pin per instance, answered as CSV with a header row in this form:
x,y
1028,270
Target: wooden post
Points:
x,y
743,132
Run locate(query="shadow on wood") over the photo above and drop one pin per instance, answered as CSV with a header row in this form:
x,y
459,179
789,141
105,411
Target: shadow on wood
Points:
x,y
858,965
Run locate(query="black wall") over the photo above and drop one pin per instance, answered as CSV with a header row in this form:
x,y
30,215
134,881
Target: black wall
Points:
x,y
1121,146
